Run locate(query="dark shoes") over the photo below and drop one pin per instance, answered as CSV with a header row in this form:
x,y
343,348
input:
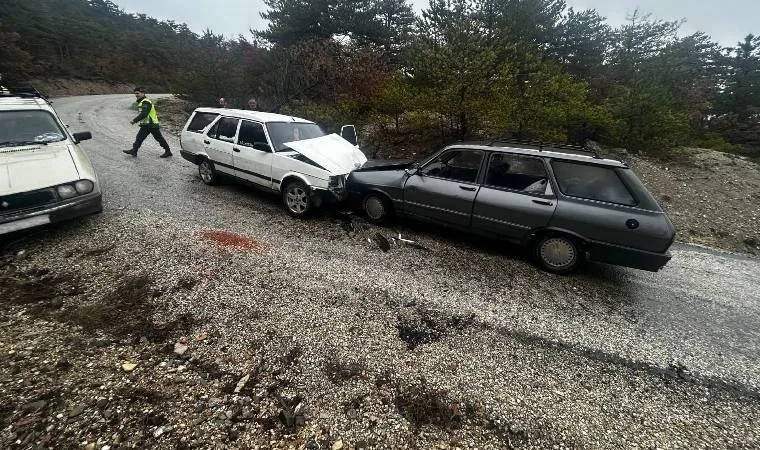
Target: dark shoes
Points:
x,y
166,154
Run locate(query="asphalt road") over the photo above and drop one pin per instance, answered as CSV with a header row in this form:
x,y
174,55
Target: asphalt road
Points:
x,y
696,320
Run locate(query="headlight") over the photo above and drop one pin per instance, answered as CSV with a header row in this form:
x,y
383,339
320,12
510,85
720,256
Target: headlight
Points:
x,y
84,186
66,191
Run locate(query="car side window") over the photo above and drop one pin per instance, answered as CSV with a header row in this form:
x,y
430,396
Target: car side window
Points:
x,y
201,121
518,173
458,165
252,133
225,129
591,182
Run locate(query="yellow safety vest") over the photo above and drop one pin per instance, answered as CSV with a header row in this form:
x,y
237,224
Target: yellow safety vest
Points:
x,y
152,117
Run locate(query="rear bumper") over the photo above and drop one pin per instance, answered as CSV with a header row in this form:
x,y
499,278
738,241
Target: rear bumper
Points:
x,y
59,212
627,257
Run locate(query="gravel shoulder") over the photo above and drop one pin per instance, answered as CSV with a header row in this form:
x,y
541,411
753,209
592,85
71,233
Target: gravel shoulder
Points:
x,y
195,317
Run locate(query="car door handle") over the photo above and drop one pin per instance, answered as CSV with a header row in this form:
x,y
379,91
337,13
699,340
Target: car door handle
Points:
x,y
543,202
206,141
234,149
467,188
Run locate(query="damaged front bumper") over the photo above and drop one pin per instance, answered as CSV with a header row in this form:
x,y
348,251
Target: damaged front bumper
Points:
x,y
337,187
57,212
335,192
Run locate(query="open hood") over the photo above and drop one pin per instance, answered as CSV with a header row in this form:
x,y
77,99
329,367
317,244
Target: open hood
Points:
x,y
332,152
33,167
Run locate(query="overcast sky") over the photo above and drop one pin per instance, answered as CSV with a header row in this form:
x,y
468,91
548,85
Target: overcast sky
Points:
x,y
726,21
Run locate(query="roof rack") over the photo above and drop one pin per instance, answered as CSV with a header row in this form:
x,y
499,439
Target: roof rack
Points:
x,y
545,146
25,91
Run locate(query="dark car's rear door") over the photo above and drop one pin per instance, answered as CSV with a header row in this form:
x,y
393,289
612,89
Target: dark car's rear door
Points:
x,y
516,197
444,189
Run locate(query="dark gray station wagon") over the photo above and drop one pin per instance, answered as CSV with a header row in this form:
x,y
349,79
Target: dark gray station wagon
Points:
x,y
567,206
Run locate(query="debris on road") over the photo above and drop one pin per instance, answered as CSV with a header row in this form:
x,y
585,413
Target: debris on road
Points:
x,y
241,383
381,242
180,348
410,243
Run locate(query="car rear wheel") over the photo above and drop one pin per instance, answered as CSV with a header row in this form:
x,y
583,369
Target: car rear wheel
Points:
x,y
557,253
207,172
376,208
296,198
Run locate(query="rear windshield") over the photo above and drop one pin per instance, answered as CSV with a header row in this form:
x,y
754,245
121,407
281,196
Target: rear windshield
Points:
x,y
200,121
281,132
29,127
592,182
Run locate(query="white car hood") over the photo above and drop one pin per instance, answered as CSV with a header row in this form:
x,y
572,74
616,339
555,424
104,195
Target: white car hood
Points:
x,y
332,152
33,167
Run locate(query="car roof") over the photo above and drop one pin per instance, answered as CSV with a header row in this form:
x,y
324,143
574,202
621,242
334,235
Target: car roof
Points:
x,y
544,152
8,103
258,116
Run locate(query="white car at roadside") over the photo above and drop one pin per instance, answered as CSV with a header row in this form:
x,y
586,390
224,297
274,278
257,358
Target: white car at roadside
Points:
x,y
44,176
291,156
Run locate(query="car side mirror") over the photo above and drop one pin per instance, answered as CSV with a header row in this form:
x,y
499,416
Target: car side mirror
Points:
x,y
261,146
83,136
348,132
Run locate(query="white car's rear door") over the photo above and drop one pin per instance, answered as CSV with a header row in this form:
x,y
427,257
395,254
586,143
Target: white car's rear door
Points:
x,y
219,143
192,136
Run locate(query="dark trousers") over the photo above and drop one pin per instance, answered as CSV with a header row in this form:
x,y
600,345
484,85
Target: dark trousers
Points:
x,y
144,132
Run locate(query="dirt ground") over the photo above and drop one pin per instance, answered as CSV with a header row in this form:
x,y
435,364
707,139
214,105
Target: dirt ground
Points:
x,y
69,87
713,198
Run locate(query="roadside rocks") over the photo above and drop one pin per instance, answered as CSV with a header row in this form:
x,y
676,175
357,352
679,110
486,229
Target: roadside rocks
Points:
x,y
34,407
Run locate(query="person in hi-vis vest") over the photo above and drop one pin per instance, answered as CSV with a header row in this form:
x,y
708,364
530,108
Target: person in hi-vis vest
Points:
x,y
148,119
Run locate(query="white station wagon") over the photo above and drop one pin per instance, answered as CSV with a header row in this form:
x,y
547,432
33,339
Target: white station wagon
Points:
x,y
44,176
291,156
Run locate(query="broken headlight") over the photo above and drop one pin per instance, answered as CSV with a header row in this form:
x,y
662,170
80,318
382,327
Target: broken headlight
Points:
x,y
337,182
337,185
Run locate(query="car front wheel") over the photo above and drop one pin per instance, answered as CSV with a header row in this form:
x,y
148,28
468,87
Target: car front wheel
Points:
x,y
376,208
558,254
207,172
296,199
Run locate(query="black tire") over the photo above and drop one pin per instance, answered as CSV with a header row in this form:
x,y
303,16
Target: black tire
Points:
x,y
297,199
207,172
377,208
558,253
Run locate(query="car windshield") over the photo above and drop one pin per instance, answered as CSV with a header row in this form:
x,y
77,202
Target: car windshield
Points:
x,y
281,132
29,127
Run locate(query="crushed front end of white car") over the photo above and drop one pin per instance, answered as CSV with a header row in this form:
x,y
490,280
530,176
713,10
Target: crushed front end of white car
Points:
x,y
333,155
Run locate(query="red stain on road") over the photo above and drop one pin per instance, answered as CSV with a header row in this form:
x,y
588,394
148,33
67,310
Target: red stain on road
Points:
x,y
229,239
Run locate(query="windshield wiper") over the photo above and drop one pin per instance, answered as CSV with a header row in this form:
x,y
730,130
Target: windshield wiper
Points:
x,y
20,143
